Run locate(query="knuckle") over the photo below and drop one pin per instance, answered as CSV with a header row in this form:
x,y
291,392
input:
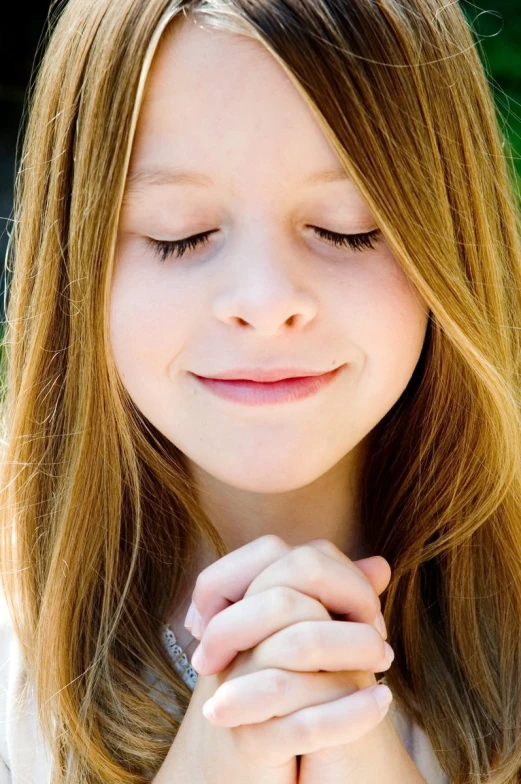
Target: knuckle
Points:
x,y
302,639
326,546
311,636
279,682
274,544
306,560
284,601
293,641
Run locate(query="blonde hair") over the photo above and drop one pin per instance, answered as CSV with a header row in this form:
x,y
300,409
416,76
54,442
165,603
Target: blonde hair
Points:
x,y
99,518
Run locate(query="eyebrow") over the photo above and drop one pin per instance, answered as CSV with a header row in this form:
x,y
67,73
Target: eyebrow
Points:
x,y
172,176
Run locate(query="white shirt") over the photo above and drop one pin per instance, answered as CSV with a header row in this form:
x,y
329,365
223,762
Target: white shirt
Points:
x,y
25,757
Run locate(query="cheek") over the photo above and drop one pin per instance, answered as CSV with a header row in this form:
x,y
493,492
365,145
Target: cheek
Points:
x,y
386,320
397,345
398,322
148,321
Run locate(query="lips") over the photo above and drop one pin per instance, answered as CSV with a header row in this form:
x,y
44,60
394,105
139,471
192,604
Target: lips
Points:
x,y
264,375
255,393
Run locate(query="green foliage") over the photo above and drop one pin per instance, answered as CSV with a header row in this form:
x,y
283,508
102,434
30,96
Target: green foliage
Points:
x,y
497,28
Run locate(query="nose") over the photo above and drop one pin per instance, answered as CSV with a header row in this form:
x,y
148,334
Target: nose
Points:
x,y
265,298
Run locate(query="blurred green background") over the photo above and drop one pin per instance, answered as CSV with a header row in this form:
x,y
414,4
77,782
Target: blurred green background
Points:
x,y
498,29
498,25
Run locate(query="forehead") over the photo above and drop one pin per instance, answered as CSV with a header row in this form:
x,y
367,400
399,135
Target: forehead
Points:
x,y
216,102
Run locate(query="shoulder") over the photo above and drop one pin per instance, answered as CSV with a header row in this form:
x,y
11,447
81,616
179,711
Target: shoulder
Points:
x,y
22,747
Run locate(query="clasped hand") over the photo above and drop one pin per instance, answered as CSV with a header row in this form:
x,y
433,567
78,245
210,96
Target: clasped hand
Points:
x,y
293,679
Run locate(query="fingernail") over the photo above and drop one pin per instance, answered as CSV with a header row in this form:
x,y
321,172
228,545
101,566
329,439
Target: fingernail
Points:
x,y
380,625
383,696
389,653
198,658
197,624
189,617
208,710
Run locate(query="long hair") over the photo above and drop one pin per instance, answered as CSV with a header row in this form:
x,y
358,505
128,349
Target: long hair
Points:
x,y
99,516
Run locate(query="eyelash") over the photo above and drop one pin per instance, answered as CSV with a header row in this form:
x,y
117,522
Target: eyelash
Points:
x,y
357,242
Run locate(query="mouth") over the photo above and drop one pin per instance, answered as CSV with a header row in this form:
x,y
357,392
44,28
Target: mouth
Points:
x,y
265,376
256,393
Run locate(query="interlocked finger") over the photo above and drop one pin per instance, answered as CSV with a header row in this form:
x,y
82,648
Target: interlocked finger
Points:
x,y
231,631
312,729
311,646
270,693
336,584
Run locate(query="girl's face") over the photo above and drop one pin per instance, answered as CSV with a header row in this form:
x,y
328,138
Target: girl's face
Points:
x,y
265,289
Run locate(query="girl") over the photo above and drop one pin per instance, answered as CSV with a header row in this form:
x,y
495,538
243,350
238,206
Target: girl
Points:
x,y
215,196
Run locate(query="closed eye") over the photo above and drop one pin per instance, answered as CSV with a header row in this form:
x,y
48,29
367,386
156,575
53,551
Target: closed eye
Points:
x,y
357,242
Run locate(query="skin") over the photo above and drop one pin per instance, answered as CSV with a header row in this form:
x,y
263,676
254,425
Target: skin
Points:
x,y
265,290
288,680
